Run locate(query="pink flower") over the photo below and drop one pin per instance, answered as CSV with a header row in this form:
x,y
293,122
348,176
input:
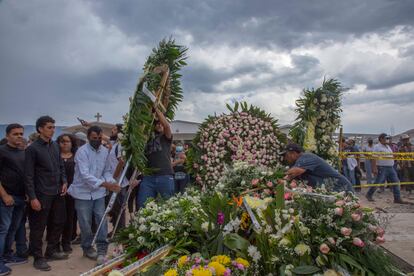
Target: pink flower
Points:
x,y
309,189
255,182
227,272
346,231
379,240
340,203
293,184
324,248
339,211
358,242
380,231
267,191
269,184
331,241
356,217
220,218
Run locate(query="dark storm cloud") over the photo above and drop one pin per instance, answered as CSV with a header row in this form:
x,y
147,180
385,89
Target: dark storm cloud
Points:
x,y
90,53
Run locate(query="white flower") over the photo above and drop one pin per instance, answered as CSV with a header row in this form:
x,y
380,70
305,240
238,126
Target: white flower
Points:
x,y
130,236
302,249
204,226
253,253
142,228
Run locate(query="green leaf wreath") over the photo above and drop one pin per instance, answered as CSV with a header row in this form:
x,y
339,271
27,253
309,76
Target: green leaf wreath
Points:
x,y
139,120
318,116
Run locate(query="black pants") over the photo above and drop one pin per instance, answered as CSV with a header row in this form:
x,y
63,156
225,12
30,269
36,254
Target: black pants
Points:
x,y
117,207
53,213
67,234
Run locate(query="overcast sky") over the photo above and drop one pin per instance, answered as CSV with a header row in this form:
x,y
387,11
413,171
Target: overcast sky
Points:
x,y
75,58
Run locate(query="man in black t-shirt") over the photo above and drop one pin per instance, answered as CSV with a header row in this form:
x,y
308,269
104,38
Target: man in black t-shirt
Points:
x,y
12,201
158,153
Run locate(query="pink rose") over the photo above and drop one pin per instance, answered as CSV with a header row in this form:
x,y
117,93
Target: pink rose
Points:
x,y
340,203
339,211
255,182
269,184
373,228
356,217
293,184
379,240
331,241
267,191
358,242
346,231
324,248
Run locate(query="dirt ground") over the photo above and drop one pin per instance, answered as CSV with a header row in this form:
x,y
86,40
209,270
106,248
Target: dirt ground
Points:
x,y
398,220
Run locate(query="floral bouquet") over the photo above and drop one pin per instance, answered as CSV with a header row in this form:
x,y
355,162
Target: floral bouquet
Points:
x,y
196,265
248,135
318,117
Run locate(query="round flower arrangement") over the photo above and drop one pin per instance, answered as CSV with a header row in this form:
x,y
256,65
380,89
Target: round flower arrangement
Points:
x,y
249,135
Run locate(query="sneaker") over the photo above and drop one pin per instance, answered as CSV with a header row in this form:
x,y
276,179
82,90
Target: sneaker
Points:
x,y
14,260
4,270
56,256
24,254
67,248
369,198
41,264
90,253
100,260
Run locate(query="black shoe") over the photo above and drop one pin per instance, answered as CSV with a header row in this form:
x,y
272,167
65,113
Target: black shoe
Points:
x,y
369,198
41,264
90,253
400,201
67,248
56,256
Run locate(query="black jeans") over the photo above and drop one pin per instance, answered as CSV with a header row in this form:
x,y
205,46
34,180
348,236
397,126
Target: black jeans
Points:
x,y
53,214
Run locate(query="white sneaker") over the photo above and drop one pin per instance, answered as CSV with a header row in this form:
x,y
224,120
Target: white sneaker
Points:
x,y
100,260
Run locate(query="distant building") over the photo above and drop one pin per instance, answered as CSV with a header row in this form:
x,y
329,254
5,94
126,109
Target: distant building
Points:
x,y
183,131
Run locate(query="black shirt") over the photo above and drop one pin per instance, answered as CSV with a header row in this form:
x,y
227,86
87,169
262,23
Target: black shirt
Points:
x,y
44,169
158,153
12,170
69,164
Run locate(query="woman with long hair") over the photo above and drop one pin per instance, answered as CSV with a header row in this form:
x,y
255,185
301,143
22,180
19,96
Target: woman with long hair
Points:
x,y
68,146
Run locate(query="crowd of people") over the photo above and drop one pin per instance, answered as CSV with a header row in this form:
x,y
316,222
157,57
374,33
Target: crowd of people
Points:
x,y
379,170
65,185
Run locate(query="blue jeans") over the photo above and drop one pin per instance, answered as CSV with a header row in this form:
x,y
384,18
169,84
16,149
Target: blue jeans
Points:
x,y
350,175
386,173
10,219
368,168
85,209
153,185
20,238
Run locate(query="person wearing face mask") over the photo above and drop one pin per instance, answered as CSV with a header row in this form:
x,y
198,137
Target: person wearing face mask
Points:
x,y
93,177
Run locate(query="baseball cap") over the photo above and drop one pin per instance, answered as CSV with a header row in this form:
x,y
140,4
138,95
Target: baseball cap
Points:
x,y
405,136
383,135
292,147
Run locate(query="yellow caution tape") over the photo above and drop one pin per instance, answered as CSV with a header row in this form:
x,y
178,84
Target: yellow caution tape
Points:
x,y
407,156
383,184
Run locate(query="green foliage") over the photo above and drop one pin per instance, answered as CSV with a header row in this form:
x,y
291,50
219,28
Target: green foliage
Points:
x,y
139,121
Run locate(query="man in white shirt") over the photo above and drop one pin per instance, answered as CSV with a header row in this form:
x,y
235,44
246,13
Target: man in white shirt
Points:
x,y
93,177
384,170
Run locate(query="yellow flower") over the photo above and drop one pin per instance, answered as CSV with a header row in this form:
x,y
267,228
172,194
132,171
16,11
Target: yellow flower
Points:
x,y
223,259
171,272
331,272
117,273
218,267
243,262
182,261
201,272
302,249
